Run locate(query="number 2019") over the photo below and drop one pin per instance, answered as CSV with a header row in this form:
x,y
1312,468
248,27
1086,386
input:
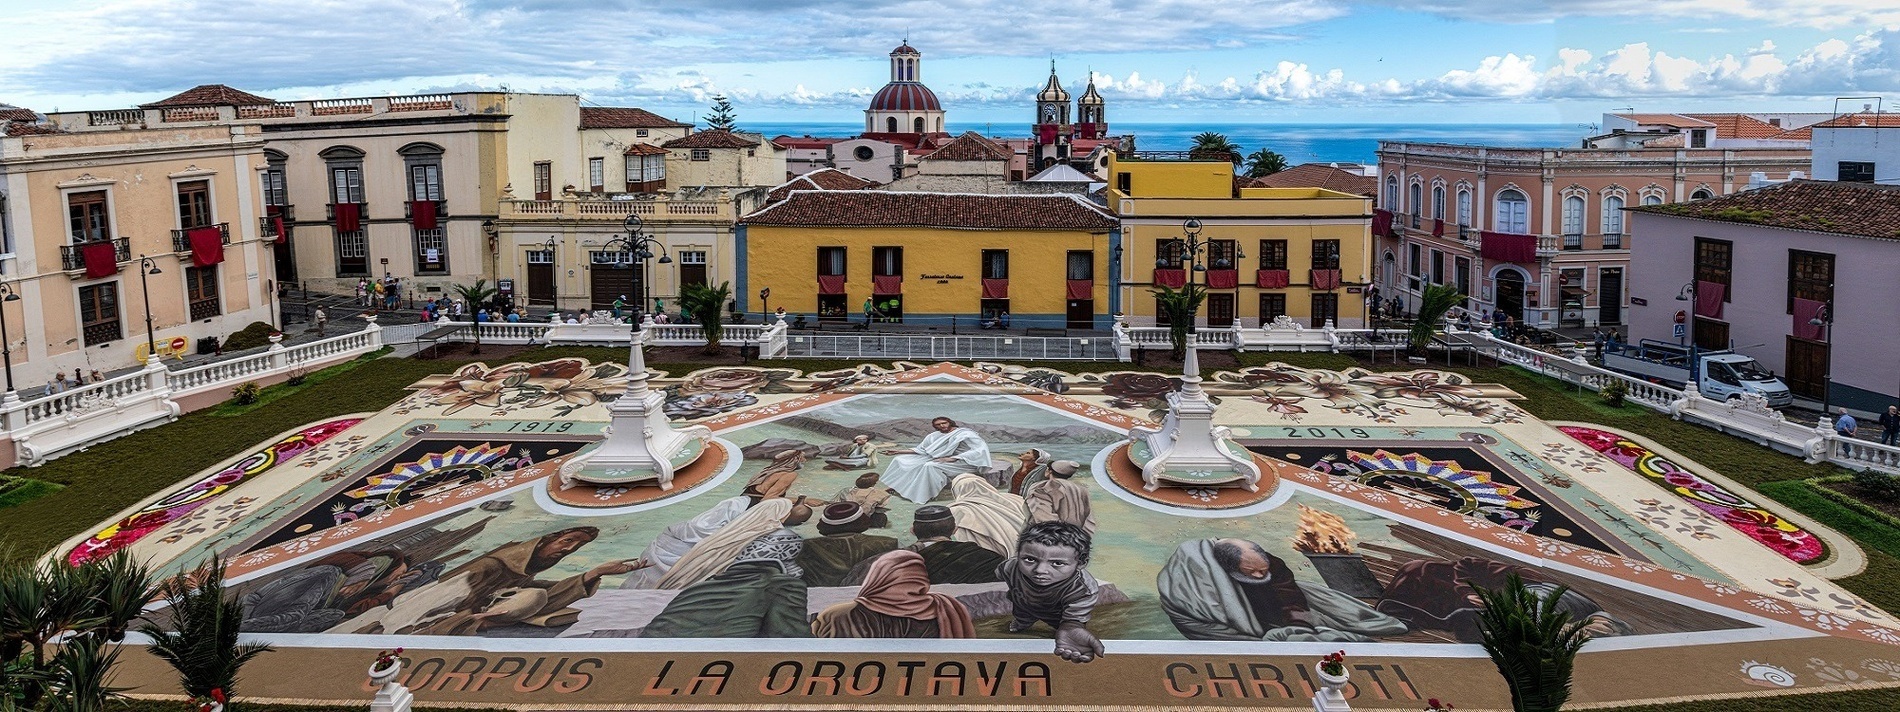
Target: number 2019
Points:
x,y
1326,432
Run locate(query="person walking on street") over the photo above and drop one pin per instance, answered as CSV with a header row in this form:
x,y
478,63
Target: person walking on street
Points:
x,y
1890,426
362,292
322,317
1846,426
1597,337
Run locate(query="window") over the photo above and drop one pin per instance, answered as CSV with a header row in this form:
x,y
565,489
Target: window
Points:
x,y
640,132
1325,308
346,183
917,125
1417,262
86,216
1416,203
702,154
597,174
1081,265
1698,138
1513,214
887,261
425,181
1573,222
1325,254
1272,305
1273,254
1438,267
1810,276
201,292
1438,202
831,261
1392,194
1613,222
1220,254
1652,199
890,124
863,153
540,257
1855,171
432,254
1125,182
352,253
645,169
1713,261
543,180
996,264
99,313
692,267
1464,208
1461,274
276,188
1701,194
1170,253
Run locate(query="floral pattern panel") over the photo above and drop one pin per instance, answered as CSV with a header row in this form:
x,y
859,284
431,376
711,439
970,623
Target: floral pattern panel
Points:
x,y
567,384
1774,532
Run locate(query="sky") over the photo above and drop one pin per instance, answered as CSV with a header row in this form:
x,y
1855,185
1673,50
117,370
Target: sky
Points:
x,y
1295,61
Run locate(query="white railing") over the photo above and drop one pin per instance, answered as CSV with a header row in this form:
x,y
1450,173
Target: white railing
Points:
x,y
1282,334
45,428
949,348
603,330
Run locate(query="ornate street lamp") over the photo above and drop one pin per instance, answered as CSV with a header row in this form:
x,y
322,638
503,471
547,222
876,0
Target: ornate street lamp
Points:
x,y
148,267
6,342
641,246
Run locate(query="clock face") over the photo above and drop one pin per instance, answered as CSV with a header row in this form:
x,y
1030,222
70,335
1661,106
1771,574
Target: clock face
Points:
x,y
1048,114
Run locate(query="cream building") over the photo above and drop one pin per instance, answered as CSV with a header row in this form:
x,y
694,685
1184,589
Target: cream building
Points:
x,y
79,211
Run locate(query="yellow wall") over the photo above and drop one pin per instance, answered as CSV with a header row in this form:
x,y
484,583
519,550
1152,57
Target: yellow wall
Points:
x,y
784,259
1172,179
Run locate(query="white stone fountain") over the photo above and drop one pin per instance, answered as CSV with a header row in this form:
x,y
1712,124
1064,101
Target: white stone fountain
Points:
x,y
641,444
1189,450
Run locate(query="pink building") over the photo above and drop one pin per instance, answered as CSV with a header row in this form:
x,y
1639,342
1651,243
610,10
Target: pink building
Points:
x,y
1539,233
1766,264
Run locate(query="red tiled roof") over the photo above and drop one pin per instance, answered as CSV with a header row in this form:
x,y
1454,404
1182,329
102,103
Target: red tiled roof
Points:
x,y
16,128
905,96
14,113
715,138
1863,119
1319,175
804,141
645,149
821,179
613,117
971,146
1861,209
210,95
1676,120
876,208
1739,126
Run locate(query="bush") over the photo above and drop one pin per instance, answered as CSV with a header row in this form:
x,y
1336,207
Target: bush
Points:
x,y
250,337
1877,485
246,394
1614,392
297,377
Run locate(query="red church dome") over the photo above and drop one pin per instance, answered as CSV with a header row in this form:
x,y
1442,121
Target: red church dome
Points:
x,y
905,96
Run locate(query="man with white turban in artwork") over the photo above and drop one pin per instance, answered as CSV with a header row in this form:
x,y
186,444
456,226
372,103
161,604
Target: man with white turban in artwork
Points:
x,y
674,541
759,596
920,473
1232,589
986,517
715,552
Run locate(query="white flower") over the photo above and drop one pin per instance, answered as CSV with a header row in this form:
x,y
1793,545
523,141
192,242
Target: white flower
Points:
x,y
1768,605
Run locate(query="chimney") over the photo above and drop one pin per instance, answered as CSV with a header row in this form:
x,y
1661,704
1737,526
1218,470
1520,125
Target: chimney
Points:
x,y
1757,180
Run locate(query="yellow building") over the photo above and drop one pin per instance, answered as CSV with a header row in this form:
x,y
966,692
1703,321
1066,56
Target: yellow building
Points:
x,y
1303,253
924,258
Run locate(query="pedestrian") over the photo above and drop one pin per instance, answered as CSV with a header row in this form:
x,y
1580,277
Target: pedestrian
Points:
x,y
1597,337
514,317
481,317
620,303
79,377
56,383
870,310
1615,337
1890,425
362,292
1846,426
96,376
322,318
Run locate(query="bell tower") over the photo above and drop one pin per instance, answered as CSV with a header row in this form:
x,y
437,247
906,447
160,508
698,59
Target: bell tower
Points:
x,y
1091,113
1052,127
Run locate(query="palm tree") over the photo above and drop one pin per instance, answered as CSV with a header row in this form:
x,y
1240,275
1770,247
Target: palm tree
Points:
x,y
475,295
1209,144
1533,642
202,644
1433,304
82,675
118,589
1265,162
1180,305
38,604
707,305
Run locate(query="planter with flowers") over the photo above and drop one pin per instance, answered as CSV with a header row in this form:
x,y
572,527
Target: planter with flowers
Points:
x,y
1331,671
213,702
388,665
1433,705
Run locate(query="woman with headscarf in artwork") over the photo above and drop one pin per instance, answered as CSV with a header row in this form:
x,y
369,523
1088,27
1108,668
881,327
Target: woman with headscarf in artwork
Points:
x,y
759,596
1031,467
674,541
777,478
715,552
895,601
986,517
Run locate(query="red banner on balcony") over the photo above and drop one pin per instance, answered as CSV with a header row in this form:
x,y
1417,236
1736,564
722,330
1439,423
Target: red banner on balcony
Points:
x,y
1046,133
831,284
349,217
1273,278
1507,247
1805,311
1223,278
1171,278
207,246
1708,298
422,214
1081,289
1324,279
276,214
101,259
1438,228
884,284
1085,130
1381,223
996,289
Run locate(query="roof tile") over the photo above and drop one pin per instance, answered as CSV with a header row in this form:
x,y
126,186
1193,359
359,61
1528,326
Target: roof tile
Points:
x,y
715,138
1861,209
210,95
614,117
1319,175
876,208
971,146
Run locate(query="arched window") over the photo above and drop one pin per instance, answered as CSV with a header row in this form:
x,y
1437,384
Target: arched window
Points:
x,y
1464,207
1415,203
1613,215
890,124
1392,194
939,124
1701,194
1438,202
917,125
1573,216
1652,199
1513,213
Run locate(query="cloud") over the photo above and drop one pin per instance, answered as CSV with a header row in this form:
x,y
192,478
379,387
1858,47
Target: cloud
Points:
x,y
1824,14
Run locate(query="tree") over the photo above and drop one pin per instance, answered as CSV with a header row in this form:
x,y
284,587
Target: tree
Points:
x,y
1433,304
707,307
475,295
85,607
202,644
1533,642
722,117
82,675
1180,305
1265,162
1208,144
38,604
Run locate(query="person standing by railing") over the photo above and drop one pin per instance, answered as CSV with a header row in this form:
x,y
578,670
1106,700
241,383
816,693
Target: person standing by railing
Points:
x,y
322,319
1890,425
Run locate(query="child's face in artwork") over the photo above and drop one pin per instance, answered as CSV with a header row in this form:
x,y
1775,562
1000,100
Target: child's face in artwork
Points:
x,y
1044,564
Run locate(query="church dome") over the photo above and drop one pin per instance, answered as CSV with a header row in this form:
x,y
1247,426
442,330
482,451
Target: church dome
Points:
x,y
1052,90
905,96
905,48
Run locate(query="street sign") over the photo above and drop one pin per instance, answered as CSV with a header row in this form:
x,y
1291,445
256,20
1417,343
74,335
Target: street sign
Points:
x,y
1681,329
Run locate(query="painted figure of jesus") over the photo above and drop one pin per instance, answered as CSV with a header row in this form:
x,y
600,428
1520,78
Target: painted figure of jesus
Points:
x,y
920,473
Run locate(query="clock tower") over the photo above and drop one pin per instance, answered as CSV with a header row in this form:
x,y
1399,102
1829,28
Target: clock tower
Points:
x,y
1052,128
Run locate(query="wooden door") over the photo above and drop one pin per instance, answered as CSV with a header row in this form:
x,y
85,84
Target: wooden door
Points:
x,y
1610,296
1510,294
1220,310
540,284
1807,367
610,282
1081,314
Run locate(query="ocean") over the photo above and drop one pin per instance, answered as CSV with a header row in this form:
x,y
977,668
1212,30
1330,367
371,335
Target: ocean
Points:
x,y
1300,143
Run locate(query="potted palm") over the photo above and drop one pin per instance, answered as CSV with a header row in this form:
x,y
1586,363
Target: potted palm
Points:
x,y
1532,640
1180,306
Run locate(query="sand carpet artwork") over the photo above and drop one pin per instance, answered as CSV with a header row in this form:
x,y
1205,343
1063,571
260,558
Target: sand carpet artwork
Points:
x,y
933,534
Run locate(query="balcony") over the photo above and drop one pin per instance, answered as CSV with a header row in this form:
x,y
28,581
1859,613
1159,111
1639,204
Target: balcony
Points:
x,y
650,207
71,259
409,209
329,211
181,239
267,225
1547,245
